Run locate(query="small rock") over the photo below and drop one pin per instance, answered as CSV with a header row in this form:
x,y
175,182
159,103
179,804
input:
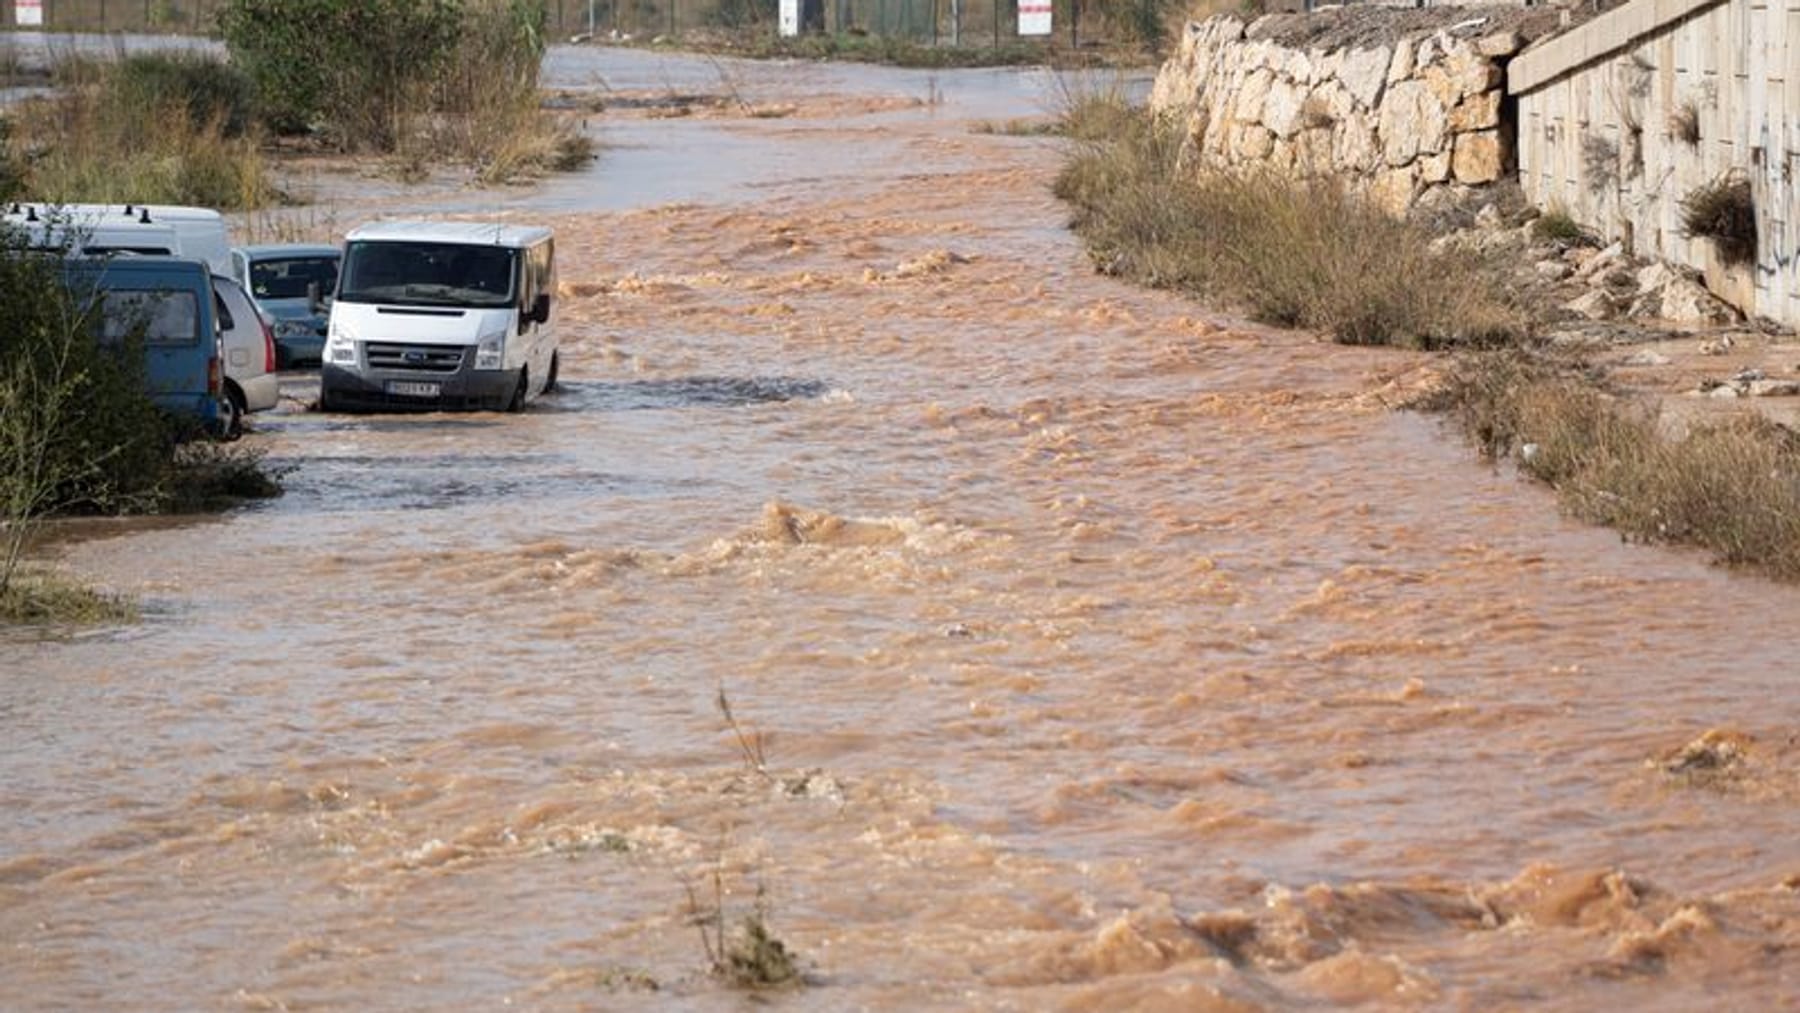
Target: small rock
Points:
x,y
1748,375
1595,305
1685,300
1718,346
1647,357
1489,217
1723,392
1602,260
1553,270
1774,388
1655,276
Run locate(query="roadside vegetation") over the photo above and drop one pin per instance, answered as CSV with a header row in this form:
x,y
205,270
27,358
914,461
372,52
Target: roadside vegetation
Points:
x,y
80,436
149,128
1732,487
1296,254
415,82
1315,257
419,81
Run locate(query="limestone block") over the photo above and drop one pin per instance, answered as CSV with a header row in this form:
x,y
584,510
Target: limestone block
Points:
x,y
1251,94
1401,66
1330,99
1313,152
1297,66
1434,168
1393,190
1252,143
1412,122
1480,111
1354,144
1473,72
1480,157
1446,89
1327,64
1500,44
1364,72
1281,156
1281,108
1315,60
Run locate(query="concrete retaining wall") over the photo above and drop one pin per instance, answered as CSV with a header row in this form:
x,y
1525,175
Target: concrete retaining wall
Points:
x,y
1624,116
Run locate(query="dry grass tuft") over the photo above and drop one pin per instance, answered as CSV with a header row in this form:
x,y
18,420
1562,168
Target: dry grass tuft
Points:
x,y
150,128
751,957
1732,488
1557,225
1723,211
34,598
1304,254
1684,124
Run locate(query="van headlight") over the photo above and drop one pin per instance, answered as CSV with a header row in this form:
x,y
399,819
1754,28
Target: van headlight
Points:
x,y
340,346
491,353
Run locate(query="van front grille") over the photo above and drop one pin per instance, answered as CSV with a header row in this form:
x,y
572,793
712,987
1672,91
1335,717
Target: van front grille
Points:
x,y
415,358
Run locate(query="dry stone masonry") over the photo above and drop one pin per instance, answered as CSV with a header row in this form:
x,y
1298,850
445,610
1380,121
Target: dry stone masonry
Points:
x,y
1395,106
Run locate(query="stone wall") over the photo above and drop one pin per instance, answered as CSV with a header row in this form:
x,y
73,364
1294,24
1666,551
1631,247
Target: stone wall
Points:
x,y
1395,108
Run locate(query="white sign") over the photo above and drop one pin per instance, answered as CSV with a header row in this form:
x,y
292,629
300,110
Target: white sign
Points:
x,y
28,13
1034,17
790,18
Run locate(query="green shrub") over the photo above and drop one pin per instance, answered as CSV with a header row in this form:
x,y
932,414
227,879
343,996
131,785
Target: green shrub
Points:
x,y
41,598
77,430
142,85
354,68
1556,225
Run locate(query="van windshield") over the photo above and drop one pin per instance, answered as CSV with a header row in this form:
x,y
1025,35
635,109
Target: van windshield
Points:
x,y
428,274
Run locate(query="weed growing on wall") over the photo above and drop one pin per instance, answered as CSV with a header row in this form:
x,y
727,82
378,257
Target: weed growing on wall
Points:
x,y
1723,211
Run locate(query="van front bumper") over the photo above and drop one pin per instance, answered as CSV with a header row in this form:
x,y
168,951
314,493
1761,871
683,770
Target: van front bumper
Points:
x,y
343,389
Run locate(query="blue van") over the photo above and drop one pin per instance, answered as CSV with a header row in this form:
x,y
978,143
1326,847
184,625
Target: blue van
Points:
x,y
172,300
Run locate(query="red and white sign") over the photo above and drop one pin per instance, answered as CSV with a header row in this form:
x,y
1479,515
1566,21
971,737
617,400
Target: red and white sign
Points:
x,y
28,13
1034,17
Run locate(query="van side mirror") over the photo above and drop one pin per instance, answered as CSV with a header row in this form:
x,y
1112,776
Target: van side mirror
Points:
x,y
540,309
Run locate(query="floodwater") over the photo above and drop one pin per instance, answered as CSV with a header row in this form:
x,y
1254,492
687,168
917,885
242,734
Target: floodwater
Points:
x,y
1084,648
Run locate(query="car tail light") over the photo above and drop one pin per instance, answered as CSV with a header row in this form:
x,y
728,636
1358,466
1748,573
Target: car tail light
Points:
x,y
215,380
268,344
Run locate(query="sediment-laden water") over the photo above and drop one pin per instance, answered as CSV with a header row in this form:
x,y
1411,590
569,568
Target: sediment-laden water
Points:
x,y
1100,651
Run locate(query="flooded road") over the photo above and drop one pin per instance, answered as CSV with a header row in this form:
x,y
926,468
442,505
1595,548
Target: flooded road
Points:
x,y
1101,651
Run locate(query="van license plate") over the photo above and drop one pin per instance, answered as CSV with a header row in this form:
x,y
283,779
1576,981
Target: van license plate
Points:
x,y
412,388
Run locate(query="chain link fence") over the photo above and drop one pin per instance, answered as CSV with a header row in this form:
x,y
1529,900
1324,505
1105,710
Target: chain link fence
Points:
x,y
962,23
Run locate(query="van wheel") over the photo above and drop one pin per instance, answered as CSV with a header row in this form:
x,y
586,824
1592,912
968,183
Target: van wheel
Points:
x,y
517,403
231,413
555,365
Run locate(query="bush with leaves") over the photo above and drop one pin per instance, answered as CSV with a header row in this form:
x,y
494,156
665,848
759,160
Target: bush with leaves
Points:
x,y
353,68
78,432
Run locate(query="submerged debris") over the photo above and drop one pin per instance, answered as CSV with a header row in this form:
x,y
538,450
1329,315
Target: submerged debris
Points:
x,y
1712,760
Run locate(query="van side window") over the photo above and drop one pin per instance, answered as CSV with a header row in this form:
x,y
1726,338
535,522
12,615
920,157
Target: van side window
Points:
x,y
539,274
167,318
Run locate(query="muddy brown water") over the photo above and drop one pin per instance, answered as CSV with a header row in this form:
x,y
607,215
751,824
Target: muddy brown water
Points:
x,y
1103,652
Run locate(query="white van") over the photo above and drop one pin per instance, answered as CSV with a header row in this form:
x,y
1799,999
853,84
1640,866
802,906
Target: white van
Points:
x,y
148,229
439,315
60,229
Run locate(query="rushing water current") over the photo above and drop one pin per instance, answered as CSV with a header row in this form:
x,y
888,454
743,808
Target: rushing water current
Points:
x,y
1083,647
